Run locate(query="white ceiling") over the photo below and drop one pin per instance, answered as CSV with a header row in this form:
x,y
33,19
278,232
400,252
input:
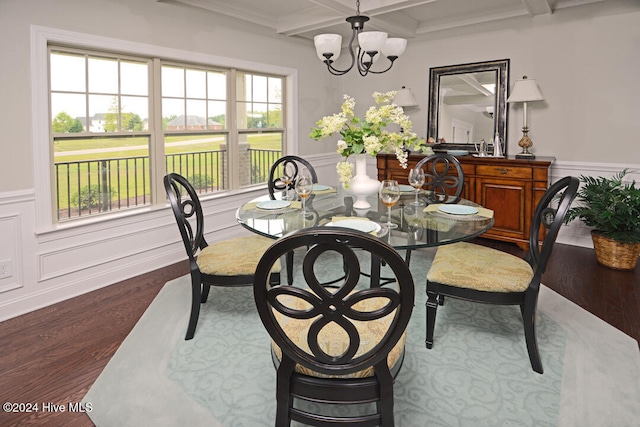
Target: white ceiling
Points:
x,y
400,18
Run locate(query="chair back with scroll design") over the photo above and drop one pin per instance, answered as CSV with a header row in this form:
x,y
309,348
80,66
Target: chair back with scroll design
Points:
x,y
444,178
295,164
336,338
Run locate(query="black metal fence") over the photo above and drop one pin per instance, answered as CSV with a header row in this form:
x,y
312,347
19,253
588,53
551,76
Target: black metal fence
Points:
x,y
92,187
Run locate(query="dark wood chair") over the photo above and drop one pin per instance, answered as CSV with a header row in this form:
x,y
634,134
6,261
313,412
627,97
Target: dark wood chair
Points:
x,y
444,181
294,163
335,342
275,184
229,262
478,273
444,178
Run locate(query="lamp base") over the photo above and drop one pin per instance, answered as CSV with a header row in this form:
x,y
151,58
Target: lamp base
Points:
x,y
525,156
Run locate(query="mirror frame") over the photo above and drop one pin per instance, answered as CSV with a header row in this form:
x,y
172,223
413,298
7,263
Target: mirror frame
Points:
x,y
500,111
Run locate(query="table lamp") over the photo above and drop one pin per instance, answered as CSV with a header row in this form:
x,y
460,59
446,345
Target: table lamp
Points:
x,y
404,98
525,90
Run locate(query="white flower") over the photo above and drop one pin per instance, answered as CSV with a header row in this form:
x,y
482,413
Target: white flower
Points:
x,y
345,171
369,135
342,145
372,145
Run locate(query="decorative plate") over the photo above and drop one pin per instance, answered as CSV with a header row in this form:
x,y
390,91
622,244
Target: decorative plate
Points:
x,y
458,209
357,224
406,188
273,204
320,187
458,152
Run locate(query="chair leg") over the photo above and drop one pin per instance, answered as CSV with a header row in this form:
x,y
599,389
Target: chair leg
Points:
x,y
284,400
196,296
205,293
529,319
432,307
385,404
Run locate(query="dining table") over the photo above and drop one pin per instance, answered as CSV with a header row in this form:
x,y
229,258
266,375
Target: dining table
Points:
x,y
414,226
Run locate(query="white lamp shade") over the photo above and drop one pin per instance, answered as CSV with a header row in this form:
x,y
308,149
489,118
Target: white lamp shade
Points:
x,y
328,43
404,98
525,90
372,41
394,47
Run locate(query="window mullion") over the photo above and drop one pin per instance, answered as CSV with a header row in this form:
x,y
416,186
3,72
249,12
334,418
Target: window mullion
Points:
x,y
234,137
156,141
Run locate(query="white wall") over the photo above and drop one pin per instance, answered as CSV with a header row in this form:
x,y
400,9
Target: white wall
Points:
x,y
586,63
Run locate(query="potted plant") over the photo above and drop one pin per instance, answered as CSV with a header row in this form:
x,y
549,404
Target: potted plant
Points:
x,y
612,208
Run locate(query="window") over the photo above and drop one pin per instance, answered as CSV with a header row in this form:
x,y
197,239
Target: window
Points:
x,y
115,130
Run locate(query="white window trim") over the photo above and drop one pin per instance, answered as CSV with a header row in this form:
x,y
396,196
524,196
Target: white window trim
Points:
x,y
42,36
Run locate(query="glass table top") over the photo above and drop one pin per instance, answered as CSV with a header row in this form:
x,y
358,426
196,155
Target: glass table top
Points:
x,y
417,226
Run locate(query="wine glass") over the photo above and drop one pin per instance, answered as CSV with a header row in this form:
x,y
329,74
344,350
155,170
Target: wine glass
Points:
x,y
416,180
304,186
286,177
389,195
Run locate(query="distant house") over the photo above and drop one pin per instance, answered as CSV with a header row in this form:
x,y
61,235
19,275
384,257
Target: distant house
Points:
x,y
193,123
96,122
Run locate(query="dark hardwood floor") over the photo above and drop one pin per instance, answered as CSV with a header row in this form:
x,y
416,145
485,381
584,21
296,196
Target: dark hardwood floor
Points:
x,y
54,355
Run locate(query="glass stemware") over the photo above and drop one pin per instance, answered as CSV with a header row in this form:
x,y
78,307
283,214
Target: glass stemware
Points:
x,y
304,186
389,196
286,177
416,180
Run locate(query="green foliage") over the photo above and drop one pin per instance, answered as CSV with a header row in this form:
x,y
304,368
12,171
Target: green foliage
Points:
x,y
90,197
76,127
609,206
200,181
132,121
64,123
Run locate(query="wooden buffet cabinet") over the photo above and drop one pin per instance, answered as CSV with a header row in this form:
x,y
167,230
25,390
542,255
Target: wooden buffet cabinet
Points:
x,y
510,187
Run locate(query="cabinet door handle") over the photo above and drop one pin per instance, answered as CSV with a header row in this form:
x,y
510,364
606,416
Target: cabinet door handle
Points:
x,y
503,171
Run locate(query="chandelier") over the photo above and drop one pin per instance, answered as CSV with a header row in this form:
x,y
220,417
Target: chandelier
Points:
x,y
370,45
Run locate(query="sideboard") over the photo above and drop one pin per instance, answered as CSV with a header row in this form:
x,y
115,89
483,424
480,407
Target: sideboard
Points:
x,y
510,187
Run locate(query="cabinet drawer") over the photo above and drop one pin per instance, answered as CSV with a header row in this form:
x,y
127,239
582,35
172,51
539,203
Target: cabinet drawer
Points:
x,y
504,171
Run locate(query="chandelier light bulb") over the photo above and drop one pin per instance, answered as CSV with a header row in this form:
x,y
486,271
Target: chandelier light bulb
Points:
x,y
328,44
394,47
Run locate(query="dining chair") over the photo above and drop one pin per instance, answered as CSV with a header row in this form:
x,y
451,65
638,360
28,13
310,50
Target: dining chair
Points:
x,y
444,181
336,339
481,274
275,184
229,262
295,163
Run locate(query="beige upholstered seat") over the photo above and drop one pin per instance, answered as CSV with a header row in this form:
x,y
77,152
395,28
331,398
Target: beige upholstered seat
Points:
x,y
234,257
471,266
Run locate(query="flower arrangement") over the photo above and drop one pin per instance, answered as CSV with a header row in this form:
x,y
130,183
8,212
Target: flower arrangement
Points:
x,y
370,135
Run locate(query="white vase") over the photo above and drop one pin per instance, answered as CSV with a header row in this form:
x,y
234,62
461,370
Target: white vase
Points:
x,y
361,185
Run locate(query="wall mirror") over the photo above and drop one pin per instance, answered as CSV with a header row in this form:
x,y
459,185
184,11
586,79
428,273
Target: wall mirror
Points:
x,y
467,103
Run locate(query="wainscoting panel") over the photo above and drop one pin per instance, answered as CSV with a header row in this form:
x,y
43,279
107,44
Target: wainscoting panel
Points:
x,y
10,253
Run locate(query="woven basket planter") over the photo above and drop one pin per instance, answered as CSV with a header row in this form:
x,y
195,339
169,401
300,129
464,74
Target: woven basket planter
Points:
x,y
613,254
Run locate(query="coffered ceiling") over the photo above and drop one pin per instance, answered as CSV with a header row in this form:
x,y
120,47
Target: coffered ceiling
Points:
x,y
399,18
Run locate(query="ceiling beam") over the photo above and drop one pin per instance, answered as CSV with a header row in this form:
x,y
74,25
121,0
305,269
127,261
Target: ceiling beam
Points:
x,y
229,9
328,13
538,7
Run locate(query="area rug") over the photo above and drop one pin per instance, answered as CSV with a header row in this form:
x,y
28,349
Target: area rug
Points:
x,y
477,374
